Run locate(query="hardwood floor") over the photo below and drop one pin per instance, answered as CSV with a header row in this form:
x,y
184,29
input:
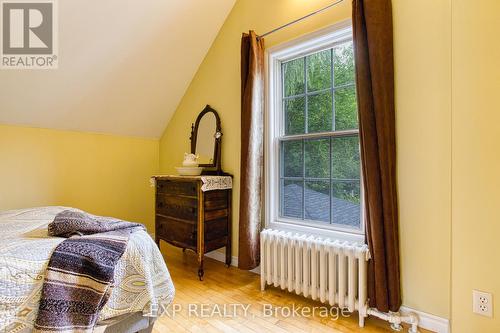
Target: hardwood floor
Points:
x,y
233,288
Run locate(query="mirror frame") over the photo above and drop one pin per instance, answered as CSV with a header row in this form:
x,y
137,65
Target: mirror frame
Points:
x,y
215,167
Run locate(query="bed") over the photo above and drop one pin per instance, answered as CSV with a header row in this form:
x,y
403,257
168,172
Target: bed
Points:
x,y
142,280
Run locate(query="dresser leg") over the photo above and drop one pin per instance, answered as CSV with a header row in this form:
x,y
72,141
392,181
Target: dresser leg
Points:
x,y
201,272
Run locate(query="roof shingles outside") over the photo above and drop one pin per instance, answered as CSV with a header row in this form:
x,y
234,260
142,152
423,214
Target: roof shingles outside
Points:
x,y
317,206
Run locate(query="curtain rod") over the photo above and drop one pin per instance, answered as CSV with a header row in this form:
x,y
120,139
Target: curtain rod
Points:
x,y
300,19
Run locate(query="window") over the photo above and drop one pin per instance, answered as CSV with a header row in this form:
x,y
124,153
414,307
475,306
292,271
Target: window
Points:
x,y
313,158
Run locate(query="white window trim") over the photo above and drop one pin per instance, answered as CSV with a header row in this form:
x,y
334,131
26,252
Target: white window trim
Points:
x,y
316,41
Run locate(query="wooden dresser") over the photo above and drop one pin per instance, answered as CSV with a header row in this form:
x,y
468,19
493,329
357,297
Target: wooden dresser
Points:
x,y
191,218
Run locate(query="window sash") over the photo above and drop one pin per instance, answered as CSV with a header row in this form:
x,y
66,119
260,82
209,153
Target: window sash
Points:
x,y
317,92
318,135
275,132
304,180
306,94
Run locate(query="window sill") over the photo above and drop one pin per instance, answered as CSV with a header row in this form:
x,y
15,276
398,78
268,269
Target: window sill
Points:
x,y
316,231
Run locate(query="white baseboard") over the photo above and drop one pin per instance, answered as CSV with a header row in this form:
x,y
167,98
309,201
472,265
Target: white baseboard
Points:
x,y
221,256
429,321
256,270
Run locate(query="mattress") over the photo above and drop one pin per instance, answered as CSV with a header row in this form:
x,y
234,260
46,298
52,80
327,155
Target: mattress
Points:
x,y
142,280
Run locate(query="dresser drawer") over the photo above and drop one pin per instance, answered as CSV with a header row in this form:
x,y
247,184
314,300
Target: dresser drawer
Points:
x,y
180,233
216,229
215,200
216,214
186,188
177,206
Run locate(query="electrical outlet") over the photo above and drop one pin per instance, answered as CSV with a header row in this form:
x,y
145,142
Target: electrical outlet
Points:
x,y
482,303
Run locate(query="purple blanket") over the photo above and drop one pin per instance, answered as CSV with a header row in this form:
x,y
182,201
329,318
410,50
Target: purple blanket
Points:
x,y
80,273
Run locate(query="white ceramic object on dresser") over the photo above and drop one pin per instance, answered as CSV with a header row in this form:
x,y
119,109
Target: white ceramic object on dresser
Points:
x,y
190,160
189,171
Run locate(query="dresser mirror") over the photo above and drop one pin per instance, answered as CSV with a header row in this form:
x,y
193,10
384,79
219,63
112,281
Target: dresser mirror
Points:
x,y
206,138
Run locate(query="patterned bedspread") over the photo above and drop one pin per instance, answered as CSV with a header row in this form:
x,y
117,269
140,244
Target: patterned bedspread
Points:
x,y
141,276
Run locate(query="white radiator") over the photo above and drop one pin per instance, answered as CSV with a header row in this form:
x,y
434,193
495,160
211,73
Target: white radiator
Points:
x,y
332,272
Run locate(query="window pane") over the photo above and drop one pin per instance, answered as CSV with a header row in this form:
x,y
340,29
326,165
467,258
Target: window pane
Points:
x,y
291,198
345,158
343,64
346,111
320,175
346,203
295,115
317,158
292,163
293,74
317,197
319,71
319,112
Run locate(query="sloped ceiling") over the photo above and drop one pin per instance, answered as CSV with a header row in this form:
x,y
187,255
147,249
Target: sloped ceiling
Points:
x,y
123,66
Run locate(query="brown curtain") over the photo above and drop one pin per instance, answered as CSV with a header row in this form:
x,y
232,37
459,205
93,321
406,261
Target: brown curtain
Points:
x,y
373,41
252,143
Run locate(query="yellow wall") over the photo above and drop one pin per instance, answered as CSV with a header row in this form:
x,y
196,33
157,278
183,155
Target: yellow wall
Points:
x,y
103,174
447,66
475,161
422,51
423,115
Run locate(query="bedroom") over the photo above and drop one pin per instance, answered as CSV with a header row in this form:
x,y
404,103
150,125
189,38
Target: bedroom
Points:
x,y
129,80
